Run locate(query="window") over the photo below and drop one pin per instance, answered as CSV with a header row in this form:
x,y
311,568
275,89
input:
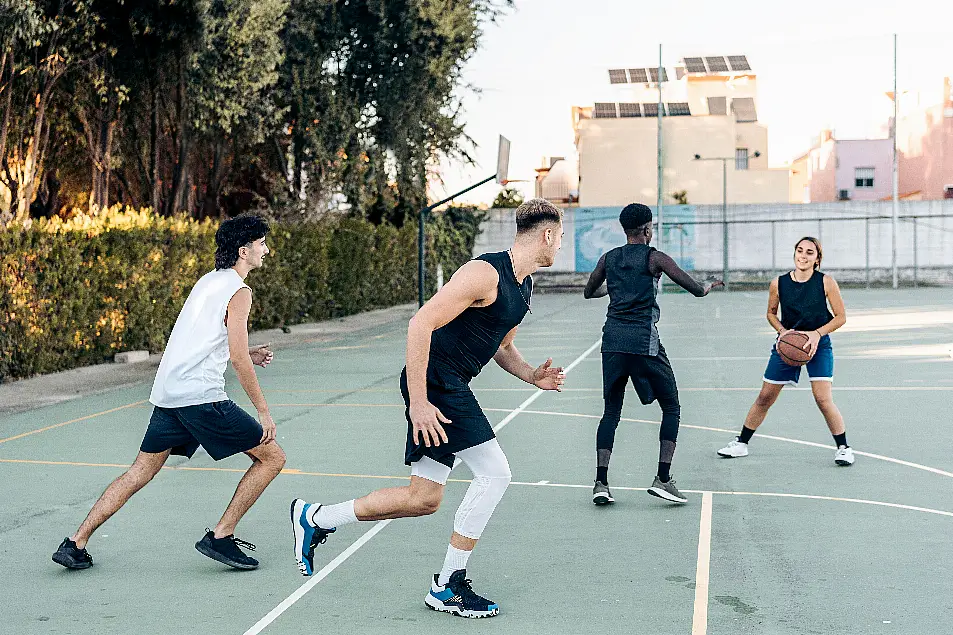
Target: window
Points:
x,y
717,106
741,158
863,177
843,195
948,191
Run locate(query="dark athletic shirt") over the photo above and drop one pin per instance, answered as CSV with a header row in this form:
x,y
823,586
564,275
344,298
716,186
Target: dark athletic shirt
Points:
x,y
803,304
460,349
633,310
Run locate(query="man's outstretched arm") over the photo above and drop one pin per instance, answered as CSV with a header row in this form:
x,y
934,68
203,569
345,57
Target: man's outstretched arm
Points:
x,y
661,262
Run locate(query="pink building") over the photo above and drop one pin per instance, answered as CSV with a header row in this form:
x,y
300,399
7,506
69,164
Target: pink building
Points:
x,y
844,170
925,144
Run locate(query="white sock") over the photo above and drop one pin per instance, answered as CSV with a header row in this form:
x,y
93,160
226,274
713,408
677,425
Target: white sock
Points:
x,y
456,560
331,516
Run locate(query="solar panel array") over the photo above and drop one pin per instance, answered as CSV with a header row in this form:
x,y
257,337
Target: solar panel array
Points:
x,y
630,110
603,110
637,75
717,64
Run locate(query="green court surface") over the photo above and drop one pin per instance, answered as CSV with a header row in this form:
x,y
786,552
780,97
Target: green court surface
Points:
x,y
780,542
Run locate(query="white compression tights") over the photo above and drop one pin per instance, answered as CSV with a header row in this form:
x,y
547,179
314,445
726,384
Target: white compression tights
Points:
x,y
491,477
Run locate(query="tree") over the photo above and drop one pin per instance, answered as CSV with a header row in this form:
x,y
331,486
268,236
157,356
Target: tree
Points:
x,y
508,197
41,41
680,197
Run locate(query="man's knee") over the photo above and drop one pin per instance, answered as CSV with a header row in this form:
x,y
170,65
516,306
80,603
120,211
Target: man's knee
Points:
x,y
270,455
424,503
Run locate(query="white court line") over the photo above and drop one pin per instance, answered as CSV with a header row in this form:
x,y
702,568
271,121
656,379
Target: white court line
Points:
x,y
836,499
700,615
285,604
879,457
536,395
320,575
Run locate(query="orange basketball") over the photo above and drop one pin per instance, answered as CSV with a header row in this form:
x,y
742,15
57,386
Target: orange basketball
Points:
x,y
790,348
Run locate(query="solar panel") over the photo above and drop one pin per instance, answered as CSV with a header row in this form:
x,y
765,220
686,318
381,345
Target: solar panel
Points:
x,y
650,109
744,109
717,64
678,109
630,110
638,76
739,63
654,73
617,76
717,106
604,110
695,65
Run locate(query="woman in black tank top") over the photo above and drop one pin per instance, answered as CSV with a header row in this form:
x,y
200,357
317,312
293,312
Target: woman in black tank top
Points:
x,y
803,295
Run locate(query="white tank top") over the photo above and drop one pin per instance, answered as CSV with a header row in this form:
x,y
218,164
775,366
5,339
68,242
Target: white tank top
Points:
x,y
192,370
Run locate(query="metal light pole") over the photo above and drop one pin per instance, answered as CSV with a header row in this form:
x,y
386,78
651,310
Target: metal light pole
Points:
x,y
896,98
658,198
724,220
724,207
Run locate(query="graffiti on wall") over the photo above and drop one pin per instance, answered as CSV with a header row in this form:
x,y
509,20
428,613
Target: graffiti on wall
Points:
x,y
597,230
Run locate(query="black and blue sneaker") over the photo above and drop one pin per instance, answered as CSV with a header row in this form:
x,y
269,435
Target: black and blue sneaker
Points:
x,y
306,536
458,598
71,556
226,550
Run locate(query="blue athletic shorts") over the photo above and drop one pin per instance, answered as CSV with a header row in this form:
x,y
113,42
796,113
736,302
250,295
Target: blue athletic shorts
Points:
x,y
820,368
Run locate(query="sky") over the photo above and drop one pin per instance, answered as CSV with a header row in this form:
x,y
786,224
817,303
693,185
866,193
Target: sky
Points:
x,y
820,64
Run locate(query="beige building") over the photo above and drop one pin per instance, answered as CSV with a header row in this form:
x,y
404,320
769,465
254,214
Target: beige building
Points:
x,y
709,110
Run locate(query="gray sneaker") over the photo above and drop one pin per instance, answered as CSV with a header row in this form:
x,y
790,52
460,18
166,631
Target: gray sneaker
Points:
x,y
667,491
601,494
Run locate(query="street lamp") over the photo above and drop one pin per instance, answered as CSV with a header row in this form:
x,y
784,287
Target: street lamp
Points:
x,y
724,208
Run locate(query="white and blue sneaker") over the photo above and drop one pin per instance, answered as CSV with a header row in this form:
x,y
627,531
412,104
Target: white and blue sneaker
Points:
x,y
306,536
458,598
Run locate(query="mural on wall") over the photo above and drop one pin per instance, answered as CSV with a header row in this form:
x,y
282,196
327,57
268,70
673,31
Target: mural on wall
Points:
x,y
597,230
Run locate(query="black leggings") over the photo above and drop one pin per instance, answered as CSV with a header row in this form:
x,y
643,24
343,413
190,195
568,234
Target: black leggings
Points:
x,y
653,379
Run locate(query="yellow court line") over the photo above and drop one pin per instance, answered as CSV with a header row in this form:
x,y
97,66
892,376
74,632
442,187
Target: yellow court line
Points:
x,y
66,423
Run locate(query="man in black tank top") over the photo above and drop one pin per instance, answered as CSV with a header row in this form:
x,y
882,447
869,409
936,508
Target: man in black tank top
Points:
x,y
630,344
470,321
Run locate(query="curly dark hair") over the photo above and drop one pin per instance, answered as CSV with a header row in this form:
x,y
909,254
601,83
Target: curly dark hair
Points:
x,y
634,217
234,234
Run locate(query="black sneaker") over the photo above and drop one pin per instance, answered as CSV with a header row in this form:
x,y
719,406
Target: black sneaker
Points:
x,y
458,598
226,550
71,556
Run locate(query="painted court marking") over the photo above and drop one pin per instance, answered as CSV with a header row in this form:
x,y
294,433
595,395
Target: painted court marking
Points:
x,y
879,457
285,604
700,613
66,423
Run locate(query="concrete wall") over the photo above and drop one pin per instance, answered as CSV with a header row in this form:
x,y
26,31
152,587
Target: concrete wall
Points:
x,y
761,237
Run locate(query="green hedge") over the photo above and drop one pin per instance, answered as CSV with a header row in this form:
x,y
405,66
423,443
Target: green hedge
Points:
x,y
75,293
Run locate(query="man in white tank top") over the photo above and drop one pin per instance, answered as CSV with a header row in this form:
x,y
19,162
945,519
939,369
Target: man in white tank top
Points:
x,y
191,407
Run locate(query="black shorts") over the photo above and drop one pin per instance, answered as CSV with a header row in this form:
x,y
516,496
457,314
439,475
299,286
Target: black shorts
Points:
x,y
468,425
222,428
651,375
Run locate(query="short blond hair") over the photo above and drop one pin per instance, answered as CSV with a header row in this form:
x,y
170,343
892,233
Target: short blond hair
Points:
x,y
536,212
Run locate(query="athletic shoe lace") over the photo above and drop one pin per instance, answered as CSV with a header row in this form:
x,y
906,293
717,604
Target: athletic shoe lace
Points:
x,y
241,543
464,589
319,537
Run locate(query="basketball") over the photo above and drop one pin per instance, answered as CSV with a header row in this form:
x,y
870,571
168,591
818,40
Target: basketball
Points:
x,y
790,348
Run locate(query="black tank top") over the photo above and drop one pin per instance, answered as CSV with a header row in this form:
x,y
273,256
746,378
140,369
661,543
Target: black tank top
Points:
x,y
460,349
803,304
633,310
